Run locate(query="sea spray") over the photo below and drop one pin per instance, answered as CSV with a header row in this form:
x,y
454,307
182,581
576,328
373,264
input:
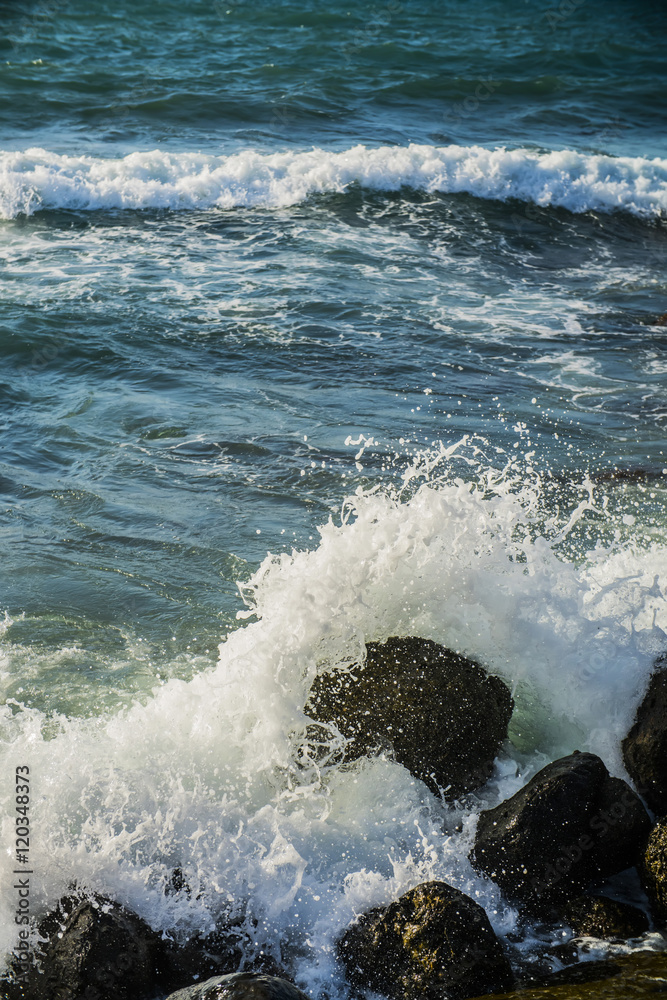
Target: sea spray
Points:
x,y
224,777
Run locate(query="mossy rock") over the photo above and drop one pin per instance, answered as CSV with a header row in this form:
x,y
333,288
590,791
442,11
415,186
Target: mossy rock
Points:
x,y
433,942
440,714
601,917
654,871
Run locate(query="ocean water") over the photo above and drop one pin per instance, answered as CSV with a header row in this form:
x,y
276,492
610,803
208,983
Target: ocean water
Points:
x,y
318,324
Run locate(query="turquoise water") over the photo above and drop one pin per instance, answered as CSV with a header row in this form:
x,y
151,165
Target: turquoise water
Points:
x,y
261,258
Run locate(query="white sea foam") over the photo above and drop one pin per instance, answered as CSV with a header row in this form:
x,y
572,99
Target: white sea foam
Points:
x,y
38,179
215,775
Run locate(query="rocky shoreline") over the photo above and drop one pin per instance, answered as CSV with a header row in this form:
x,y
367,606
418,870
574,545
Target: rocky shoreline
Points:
x,y
554,849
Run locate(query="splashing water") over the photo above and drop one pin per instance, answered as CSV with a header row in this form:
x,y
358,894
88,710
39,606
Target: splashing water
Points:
x,y
224,775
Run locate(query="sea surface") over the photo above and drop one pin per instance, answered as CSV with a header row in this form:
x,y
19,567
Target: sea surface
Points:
x,y
318,324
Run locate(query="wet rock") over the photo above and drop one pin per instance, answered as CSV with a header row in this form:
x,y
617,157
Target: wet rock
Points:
x,y
645,746
601,917
200,958
433,942
96,949
654,871
440,713
576,971
241,986
641,974
572,824
585,972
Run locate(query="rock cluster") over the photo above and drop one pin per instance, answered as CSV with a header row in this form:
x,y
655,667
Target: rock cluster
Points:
x,y
548,848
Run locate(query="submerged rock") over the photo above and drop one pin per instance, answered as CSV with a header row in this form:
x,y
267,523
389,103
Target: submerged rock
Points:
x,y
241,986
570,825
95,948
442,715
645,746
654,871
433,942
601,917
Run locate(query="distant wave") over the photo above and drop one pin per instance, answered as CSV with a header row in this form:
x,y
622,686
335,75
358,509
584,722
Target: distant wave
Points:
x,y
38,179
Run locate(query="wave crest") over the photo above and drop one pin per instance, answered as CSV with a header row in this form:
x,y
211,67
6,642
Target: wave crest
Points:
x,y
38,179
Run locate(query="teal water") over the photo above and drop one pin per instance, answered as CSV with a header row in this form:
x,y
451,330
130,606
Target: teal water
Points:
x,y
255,258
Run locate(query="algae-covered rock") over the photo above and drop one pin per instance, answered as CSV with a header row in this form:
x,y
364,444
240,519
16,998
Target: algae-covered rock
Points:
x,y
241,986
433,942
601,917
645,746
640,976
570,825
441,714
653,871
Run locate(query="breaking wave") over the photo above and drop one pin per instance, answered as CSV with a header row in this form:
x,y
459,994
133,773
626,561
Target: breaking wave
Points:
x,y
37,179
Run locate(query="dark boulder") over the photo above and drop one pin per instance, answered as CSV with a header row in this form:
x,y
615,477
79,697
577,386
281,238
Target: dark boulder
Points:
x,y
241,986
433,942
654,871
601,917
645,746
93,944
571,825
441,714
95,949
